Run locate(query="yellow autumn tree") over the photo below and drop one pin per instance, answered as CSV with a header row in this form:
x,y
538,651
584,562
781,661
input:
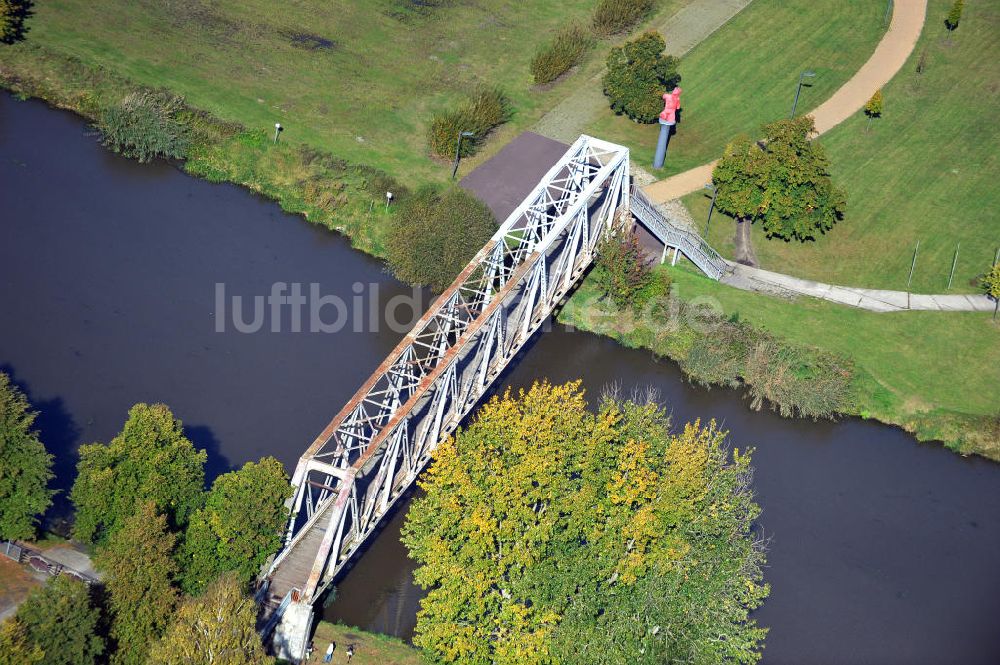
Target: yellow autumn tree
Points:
x,y
550,534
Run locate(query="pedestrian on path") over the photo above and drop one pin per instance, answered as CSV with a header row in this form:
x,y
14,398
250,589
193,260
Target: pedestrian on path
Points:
x,y
350,652
329,652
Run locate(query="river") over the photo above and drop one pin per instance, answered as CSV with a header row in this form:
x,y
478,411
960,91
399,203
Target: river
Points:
x,y
882,550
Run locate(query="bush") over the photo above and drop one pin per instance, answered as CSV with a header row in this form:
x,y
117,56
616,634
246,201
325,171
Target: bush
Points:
x,y
621,269
556,57
436,234
614,16
485,110
638,75
145,125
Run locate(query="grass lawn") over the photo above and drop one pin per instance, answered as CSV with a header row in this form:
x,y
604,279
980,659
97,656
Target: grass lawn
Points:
x,y
746,73
360,80
927,171
369,648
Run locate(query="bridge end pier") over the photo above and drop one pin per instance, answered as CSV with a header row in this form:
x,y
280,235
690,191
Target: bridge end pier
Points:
x,y
291,635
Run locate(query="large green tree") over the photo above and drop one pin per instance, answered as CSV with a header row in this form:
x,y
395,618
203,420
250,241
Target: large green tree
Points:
x,y
25,466
217,628
139,569
15,648
782,183
638,74
435,234
151,460
551,534
64,622
239,526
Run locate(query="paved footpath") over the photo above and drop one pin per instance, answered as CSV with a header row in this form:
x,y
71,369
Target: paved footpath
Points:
x,y
876,300
889,57
682,32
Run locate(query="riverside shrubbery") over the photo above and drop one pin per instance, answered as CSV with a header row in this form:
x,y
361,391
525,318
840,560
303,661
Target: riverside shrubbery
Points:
x,y
555,58
436,233
145,125
614,16
486,109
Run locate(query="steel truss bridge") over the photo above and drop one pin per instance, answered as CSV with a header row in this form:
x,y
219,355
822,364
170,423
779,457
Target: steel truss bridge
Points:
x,y
373,450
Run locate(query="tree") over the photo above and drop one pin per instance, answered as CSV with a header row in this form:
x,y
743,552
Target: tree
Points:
x,y
12,16
436,233
62,620
621,269
782,182
873,109
954,15
991,284
637,76
25,466
239,526
139,570
150,460
552,534
218,628
15,649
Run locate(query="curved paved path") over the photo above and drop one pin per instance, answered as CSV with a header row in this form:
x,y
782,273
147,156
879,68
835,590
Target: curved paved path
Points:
x,y
875,300
889,57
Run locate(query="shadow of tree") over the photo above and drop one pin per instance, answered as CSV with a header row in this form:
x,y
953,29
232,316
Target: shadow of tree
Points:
x,y
60,435
204,438
13,15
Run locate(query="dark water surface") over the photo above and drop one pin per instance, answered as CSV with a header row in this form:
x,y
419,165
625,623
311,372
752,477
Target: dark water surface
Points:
x,y
882,550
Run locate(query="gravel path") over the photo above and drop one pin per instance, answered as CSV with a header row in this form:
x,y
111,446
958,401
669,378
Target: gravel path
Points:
x,y
888,58
682,31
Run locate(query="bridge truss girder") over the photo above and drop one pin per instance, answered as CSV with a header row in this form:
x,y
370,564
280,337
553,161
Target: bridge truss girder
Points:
x,y
373,450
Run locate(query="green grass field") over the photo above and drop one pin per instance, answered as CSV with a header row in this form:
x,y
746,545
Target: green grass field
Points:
x,y
358,79
927,171
745,74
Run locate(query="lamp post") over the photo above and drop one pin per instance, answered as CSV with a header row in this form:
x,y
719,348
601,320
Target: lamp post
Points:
x,y
458,151
798,89
715,193
277,129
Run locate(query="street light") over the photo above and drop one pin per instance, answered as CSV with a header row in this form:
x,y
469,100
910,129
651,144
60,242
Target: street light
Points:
x,y
715,193
798,89
458,151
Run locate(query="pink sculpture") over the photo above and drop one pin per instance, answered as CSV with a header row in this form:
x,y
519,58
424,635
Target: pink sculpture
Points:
x,y
671,102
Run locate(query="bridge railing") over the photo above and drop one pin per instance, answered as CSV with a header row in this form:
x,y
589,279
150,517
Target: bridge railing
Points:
x,y
371,452
692,245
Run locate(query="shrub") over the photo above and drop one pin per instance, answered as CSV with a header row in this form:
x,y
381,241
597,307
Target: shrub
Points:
x,y
638,74
622,271
145,125
485,110
614,16
556,57
436,234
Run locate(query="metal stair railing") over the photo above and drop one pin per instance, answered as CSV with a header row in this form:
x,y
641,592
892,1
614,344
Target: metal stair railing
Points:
x,y
691,245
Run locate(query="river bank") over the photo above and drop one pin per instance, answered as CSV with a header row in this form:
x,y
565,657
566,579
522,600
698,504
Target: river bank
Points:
x,y
888,373
881,549
342,196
